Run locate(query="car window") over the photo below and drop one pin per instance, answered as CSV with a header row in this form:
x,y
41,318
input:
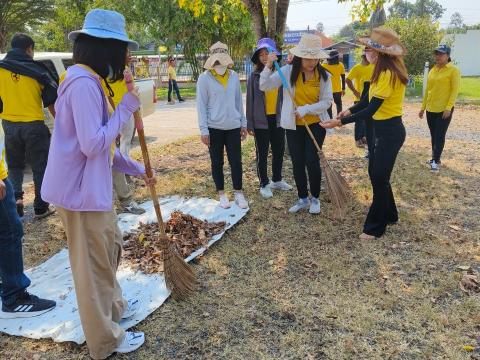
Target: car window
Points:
x,y
49,64
67,63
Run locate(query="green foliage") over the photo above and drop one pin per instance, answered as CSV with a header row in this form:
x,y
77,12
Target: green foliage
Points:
x,y
20,15
353,30
420,37
421,8
362,10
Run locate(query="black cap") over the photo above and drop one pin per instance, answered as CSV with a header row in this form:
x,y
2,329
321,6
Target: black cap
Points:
x,y
443,49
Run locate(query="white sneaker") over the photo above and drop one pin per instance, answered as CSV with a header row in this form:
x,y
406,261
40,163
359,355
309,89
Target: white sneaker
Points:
x,y
266,192
280,185
132,308
131,342
434,167
241,201
299,205
225,202
314,206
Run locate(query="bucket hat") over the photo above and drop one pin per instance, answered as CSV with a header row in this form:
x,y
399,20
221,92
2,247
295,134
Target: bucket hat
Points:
x,y
218,52
333,54
384,40
309,47
264,43
104,24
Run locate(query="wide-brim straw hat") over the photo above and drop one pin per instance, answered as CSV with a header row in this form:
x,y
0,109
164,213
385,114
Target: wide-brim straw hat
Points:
x,y
218,52
309,47
384,40
104,24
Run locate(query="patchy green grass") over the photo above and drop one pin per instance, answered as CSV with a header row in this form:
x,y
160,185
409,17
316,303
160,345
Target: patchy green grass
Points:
x,y
469,89
282,286
187,92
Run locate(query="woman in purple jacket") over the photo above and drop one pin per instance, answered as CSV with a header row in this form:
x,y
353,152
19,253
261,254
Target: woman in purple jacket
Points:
x,y
78,179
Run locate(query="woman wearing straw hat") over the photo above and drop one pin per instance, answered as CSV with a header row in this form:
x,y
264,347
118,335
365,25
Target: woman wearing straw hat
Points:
x,y
335,67
263,122
222,121
78,179
312,92
386,94
440,95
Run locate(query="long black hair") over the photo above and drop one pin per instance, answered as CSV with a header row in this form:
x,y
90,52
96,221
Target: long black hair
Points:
x,y
107,57
297,67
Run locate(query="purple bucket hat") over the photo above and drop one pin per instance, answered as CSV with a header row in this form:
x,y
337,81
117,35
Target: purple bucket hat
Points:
x,y
264,43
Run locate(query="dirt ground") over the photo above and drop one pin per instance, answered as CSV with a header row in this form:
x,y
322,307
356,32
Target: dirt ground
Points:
x,y
281,286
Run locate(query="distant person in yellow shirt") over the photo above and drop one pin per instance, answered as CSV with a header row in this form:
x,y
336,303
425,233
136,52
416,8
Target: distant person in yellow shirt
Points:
x,y
26,87
172,82
335,67
439,100
358,81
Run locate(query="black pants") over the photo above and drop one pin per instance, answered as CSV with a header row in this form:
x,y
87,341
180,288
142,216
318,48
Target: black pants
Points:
x,y
27,142
172,85
304,154
359,132
229,139
438,129
264,138
337,99
370,134
389,138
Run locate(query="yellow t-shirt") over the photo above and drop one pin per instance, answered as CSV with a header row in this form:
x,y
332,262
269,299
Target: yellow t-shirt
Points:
x,y
336,70
271,97
392,96
360,74
307,92
442,88
222,79
119,89
21,96
172,73
3,164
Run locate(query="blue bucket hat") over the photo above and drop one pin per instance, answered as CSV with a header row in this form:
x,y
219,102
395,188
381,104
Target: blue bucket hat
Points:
x,y
443,49
105,24
264,43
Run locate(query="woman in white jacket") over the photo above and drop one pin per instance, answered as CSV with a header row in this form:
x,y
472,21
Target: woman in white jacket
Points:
x,y
312,91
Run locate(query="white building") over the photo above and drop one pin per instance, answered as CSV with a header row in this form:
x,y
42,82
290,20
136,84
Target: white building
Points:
x,y
465,51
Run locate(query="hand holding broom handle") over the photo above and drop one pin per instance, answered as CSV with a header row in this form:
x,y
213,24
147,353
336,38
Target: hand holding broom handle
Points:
x,y
179,276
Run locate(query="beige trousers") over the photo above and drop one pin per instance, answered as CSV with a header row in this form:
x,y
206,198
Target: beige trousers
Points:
x,y
95,249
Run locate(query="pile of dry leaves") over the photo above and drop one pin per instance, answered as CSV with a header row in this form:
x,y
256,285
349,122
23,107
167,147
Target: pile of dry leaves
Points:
x,y
142,250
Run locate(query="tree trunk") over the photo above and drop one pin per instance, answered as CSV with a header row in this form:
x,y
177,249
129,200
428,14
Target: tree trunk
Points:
x,y
272,18
256,11
3,39
282,10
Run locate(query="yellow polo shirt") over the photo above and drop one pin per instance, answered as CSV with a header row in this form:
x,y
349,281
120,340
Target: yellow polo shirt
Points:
x,y
360,74
392,96
306,93
442,88
3,164
21,96
172,73
119,89
271,97
336,70
222,79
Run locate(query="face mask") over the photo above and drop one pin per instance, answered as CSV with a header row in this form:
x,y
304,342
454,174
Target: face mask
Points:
x,y
371,57
220,69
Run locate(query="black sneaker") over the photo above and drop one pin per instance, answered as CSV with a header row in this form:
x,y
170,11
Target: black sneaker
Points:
x,y
181,100
40,214
20,209
25,306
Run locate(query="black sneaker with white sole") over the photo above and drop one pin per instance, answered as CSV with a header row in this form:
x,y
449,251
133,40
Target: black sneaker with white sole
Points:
x,y
26,305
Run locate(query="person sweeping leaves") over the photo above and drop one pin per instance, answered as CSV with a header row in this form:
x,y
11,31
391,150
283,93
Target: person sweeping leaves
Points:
x,y
222,121
386,94
263,122
78,179
312,93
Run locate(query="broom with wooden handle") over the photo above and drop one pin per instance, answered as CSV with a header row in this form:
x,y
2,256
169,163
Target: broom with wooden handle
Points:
x,y
179,275
337,187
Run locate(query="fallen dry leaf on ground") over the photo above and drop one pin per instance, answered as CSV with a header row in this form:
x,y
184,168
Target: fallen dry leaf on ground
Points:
x,y
470,283
142,248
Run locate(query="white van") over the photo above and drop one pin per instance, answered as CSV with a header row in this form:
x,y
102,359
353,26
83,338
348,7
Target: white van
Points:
x,y
58,62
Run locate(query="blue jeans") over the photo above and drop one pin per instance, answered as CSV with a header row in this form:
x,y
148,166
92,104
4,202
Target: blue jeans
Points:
x,y
11,259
